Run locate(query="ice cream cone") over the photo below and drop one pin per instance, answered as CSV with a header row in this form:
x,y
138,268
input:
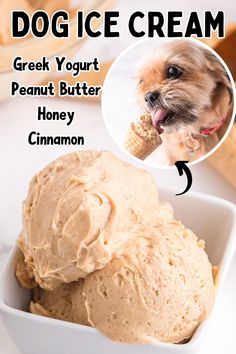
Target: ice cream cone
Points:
x,y
142,138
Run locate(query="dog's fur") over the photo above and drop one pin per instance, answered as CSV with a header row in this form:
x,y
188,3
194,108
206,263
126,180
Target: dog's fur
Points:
x,y
198,98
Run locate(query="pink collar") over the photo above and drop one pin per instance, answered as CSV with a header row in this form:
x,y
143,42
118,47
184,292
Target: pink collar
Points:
x,y
215,127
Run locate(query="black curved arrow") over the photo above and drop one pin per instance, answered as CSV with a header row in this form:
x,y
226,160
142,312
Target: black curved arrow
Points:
x,y
182,167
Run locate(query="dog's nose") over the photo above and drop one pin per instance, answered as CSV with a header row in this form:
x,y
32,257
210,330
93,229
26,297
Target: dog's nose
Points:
x,y
151,97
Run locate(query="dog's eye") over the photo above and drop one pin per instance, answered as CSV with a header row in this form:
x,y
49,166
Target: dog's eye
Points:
x,y
173,72
141,81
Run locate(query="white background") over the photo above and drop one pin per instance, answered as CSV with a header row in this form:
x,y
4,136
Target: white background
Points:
x,y
19,162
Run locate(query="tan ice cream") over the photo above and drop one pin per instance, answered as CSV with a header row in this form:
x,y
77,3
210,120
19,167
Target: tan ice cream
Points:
x,y
24,273
101,250
81,210
80,314
160,288
55,304
65,303
142,138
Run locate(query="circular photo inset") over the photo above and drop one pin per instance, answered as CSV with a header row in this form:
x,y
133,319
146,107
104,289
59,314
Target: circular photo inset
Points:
x,y
168,100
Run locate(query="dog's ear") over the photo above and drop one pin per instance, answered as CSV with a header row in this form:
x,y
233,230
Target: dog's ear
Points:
x,y
217,70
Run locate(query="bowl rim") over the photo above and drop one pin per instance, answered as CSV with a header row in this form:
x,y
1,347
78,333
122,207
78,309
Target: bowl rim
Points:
x,y
199,333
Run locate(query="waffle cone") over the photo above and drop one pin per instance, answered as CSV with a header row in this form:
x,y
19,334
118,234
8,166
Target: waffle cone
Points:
x,y
139,146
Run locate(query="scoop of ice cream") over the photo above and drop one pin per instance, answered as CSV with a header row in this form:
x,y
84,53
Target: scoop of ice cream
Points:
x,y
79,310
66,303
24,274
165,214
55,304
160,288
145,129
142,138
80,211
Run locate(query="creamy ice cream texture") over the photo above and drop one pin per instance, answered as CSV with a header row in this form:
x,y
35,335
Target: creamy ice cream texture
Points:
x,y
55,304
80,210
142,138
101,252
65,303
160,288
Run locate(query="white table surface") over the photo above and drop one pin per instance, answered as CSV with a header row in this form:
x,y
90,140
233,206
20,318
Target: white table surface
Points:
x,y
19,161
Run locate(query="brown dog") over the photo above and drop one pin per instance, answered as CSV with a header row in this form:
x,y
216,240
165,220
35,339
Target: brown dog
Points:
x,y
189,95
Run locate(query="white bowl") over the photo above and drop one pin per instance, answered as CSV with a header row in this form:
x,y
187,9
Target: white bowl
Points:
x,y
212,219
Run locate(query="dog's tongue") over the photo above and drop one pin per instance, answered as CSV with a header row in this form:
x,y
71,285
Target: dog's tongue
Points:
x,y
158,118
